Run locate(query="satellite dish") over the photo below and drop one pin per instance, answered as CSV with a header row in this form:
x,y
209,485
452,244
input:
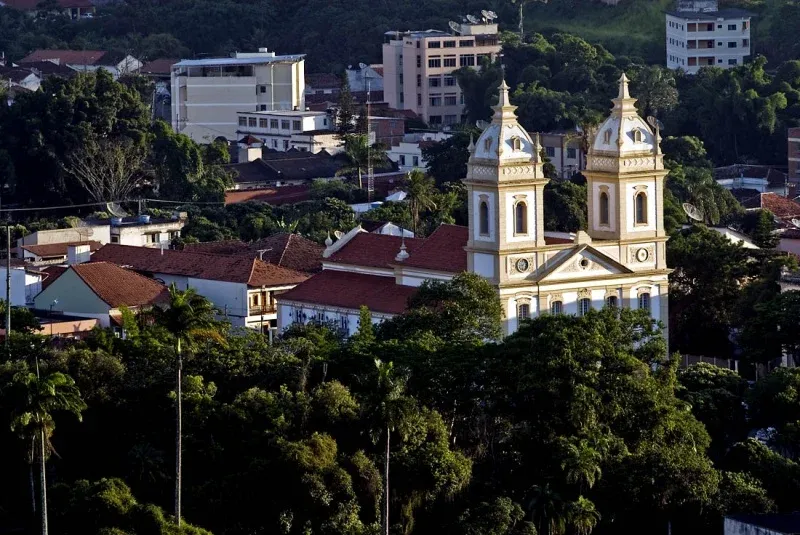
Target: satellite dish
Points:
x,y
115,210
483,125
362,66
488,15
456,27
655,123
339,234
473,20
796,222
693,212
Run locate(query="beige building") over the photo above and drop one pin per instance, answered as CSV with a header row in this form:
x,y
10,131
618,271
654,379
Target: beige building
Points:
x,y
208,93
418,68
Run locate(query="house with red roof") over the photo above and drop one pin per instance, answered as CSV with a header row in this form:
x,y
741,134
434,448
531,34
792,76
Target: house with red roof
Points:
x,y
99,290
242,288
619,261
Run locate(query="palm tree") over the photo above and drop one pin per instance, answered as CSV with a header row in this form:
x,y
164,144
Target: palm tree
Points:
x,y
38,397
188,317
548,511
390,407
360,155
421,193
582,464
583,516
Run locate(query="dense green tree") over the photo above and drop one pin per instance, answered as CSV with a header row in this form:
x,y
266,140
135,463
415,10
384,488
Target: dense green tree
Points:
x,y
361,156
421,196
654,88
447,160
565,206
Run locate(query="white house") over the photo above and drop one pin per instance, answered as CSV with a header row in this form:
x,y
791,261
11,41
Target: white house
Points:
x,y
407,154
26,283
310,131
619,261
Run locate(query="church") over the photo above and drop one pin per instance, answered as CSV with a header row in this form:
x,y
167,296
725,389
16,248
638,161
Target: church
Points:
x,y
619,261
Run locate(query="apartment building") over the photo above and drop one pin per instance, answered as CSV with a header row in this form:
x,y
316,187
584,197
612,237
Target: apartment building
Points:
x,y
208,93
310,131
699,34
418,68
565,152
794,155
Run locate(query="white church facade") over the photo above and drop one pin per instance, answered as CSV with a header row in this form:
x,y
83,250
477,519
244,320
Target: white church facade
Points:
x,y
618,261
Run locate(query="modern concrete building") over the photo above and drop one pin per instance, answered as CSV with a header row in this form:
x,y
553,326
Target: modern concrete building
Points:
x,y
418,68
310,131
699,34
208,93
565,152
794,155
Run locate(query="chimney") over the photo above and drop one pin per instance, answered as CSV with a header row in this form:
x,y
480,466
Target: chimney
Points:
x,y
78,254
249,149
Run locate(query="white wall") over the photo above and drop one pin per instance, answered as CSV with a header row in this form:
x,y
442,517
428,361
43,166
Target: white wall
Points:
x,y
491,201
734,527
24,286
630,206
230,296
347,319
101,233
530,200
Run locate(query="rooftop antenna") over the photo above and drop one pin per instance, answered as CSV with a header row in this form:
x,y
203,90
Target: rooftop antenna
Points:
x,y
693,212
473,20
456,27
261,253
370,170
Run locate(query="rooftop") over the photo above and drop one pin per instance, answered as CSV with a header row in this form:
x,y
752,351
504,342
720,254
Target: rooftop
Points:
x,y
323,80
262,60
780,206
53,250
287,113
120,287
238,269
159,66
64,57
291,251
729,13
375,250
443,250
274,196
786,524
352,291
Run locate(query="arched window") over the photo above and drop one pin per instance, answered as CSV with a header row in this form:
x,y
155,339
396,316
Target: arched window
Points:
x,y
521,218
644,301
483,215
603,208
524,311
488,143
637,136
584,306
612,301
516,143
641,208
556,307
607,137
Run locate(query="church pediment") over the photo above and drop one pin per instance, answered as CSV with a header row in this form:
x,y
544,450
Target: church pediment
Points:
x,y
580,262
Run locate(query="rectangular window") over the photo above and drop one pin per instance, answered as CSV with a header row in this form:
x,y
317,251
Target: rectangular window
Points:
x,y
152,238
732,61
732,44
484,58
435,119
419,61
449,44
262,88
419,99
450,100
419,80
402,159
744,25
556,307
434,63
434,44
296,125
242,121
524,311
450,62
449,81
401,98
571,153
262,123
435,100
273,123
114,239
731,26
251,121
434,81
745,43
450,119
274,143
285,144
466,43
550,151
284,124
719,26
400,78
467,61
415,161
644,302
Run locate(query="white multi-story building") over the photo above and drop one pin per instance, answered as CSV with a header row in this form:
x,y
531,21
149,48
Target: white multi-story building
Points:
x,y
418,68
407,154
310,131
207,93
699,34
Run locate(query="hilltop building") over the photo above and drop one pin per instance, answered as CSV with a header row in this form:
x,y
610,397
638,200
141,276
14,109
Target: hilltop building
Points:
x,y
794,156
207,93
699,34
619,262
418,68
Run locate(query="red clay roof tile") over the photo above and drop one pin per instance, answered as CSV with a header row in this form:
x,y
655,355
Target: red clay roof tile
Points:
x,y
64,57
58,249
443,250
120,287
374,250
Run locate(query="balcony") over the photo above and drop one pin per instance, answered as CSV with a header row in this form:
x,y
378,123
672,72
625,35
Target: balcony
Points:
x,y
262,310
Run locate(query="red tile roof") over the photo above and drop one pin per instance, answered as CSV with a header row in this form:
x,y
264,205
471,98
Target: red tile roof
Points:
x,y
442,251
52,250
222,247
239,269
780,206
374,250
352,291
159,66
63,57
117,286
274,196
291,251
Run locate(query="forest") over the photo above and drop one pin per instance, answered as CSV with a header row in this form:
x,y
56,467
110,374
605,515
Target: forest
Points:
x,y
572,425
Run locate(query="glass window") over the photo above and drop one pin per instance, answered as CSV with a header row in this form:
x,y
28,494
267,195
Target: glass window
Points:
x,y
273,123
484,218
434,81
434,120
295,125
434,63
262,88
263,123
516,143
732,61
274,143
450,62
731,26
251,121
449,81
556,307
612,301
450,100
571,153
450,119
415,159
419,80
641,208
419,99
745,42
607,137
584,306
434,44
637,136
550,151
419,61
644,302
402,159
284,125
435,100
524,311
449,44
521,218
731,44
603,208
242,121
466,43
285,144
467,61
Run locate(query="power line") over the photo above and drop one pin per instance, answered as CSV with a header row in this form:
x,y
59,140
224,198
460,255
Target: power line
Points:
x,y
65,206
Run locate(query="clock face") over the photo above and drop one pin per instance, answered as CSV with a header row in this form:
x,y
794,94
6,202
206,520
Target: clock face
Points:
x,y
522,265
641,255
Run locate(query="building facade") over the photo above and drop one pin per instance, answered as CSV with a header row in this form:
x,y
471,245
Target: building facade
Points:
x,y
701,35
794,155
418,69
565,152
310,131
619,261
208,93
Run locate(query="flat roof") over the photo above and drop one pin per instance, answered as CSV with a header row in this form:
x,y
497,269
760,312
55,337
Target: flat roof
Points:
x,y
730,13
211,62
287,113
